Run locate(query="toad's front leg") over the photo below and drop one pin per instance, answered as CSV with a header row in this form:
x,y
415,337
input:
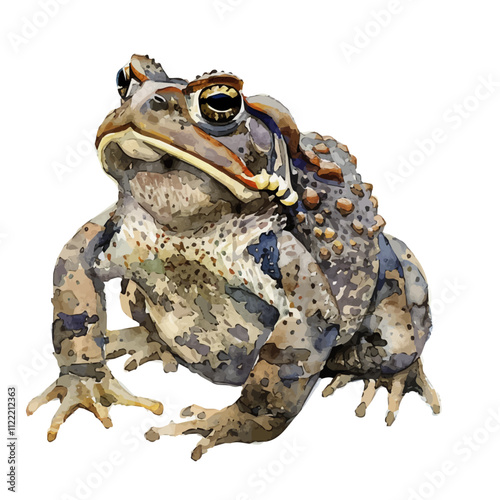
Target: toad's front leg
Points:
x,y
141,342
79,338
288,366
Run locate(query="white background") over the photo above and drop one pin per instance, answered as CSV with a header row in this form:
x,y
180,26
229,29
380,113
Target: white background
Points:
x,y
378,93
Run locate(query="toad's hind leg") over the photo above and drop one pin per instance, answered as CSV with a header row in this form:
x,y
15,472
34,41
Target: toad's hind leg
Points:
x,y
141,342
386,350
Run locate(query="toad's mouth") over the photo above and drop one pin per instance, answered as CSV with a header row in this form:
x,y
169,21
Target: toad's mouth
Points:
x,y
141,145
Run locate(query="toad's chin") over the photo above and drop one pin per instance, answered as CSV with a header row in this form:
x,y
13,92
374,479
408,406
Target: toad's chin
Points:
x,y
178,198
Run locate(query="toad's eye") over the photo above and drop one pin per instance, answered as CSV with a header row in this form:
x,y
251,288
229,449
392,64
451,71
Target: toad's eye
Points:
x,y
220,103
123,81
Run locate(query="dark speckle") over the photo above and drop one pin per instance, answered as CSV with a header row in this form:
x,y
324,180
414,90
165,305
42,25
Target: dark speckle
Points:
x,y
239,332
266,252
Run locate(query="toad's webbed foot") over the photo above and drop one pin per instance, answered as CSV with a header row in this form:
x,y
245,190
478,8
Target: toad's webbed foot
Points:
x,y
398,385
228,425
93,394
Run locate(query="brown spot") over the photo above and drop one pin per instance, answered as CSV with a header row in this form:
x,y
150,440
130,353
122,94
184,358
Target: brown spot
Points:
x,y
343,147
321,148
179,246
367,186
330,171
337,247
379,223
319,218
301,217
353,160
357,190
310,198
374,201
313,158
330,233
358,227
344,206
324,253
352,243
318,232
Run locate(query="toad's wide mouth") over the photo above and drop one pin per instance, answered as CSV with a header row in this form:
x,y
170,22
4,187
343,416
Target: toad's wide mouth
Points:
x,y
142,146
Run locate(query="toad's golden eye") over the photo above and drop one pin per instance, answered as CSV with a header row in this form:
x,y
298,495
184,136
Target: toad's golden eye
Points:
x,y
220,103
123,81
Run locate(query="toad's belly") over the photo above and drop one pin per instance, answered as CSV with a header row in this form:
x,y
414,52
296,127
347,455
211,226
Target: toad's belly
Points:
x,y
213,329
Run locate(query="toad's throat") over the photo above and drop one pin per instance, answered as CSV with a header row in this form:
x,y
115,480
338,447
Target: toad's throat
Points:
x,y
140,145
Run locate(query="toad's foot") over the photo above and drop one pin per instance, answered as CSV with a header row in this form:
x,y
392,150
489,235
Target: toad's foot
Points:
x,y
398,384
95,396
221,426
136,341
